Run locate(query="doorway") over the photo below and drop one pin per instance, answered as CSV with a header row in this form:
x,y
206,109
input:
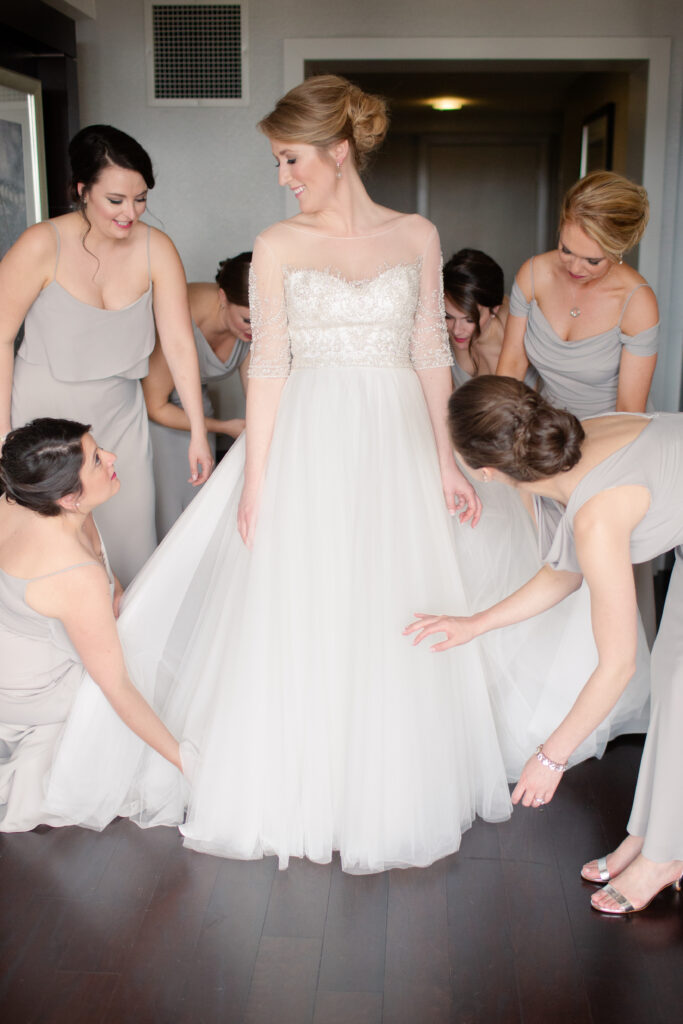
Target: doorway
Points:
x,y
490,174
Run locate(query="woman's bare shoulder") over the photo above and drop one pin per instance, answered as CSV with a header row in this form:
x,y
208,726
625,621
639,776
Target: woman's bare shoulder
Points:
x,y
202,295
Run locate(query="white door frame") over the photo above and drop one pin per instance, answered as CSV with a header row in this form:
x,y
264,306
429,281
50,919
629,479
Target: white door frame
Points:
x,y
655,51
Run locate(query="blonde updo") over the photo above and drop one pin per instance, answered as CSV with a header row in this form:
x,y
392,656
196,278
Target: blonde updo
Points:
x,y
501,423
612,210
327,109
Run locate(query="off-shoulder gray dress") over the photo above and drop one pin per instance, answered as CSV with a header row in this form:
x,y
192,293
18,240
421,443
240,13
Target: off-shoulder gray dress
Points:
x,y
583,375
169,446
653,460
84,363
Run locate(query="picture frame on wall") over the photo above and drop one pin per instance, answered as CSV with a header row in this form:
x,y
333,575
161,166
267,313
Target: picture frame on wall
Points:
x,y
23,186
597,141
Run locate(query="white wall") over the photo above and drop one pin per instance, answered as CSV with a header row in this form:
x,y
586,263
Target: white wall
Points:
x,y
216,179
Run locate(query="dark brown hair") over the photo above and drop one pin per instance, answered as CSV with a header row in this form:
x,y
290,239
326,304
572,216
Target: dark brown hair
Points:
x,y
501,423
233,277
101,145
472,279
41,462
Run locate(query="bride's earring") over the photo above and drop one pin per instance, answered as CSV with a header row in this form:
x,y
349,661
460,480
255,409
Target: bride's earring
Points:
x,y
339,171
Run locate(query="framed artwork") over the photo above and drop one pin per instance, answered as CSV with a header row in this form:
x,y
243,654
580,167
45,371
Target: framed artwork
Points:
x,y
597,140
23,190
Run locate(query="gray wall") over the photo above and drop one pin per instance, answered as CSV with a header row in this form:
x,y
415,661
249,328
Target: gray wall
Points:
x,y
216,179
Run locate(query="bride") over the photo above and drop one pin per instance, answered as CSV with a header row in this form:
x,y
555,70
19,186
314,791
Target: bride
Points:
x,y
266,629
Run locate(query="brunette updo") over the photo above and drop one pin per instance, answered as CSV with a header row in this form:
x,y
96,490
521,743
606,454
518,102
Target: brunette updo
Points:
x,y
472,279
327,109
41,463
233,277
612,210
98,146
501,423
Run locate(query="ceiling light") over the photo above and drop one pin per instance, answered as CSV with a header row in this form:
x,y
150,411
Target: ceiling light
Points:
x,y
447,103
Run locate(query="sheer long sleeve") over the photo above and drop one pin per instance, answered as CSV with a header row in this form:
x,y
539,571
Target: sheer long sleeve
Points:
x,y
271,352
429,346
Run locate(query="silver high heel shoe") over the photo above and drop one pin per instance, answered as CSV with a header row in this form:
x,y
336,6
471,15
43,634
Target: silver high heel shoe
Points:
x,y
624,905
603,871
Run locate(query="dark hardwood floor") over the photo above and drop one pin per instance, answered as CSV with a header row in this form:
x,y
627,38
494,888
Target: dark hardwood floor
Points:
x,y
127,927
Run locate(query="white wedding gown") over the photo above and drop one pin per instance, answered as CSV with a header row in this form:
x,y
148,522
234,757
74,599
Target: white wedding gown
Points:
x,y
319,726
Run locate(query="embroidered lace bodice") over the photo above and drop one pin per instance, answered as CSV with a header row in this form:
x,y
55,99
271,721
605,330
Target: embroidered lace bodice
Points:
x,y
374,300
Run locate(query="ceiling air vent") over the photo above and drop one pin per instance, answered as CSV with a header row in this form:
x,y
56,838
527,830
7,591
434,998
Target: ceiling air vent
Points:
x,y
196,53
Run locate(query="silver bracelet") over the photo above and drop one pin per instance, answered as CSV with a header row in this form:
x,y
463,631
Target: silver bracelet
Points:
x,y
554,766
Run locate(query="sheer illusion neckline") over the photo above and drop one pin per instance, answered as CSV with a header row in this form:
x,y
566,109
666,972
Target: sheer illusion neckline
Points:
x,y
347,238
101,309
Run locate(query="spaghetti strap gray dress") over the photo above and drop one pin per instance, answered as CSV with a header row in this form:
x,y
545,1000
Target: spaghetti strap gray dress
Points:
x,y
169,446
85,363
653,460
41,673
583,375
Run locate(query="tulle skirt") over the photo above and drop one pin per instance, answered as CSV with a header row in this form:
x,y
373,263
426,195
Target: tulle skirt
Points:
x,y
319,726
536,669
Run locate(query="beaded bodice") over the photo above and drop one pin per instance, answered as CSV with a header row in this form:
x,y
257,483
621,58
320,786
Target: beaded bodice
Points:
x,y
334,322
307,316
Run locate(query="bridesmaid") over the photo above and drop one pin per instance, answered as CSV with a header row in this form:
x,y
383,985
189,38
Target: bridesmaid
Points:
x,y
585,320
222,334
581,316
88,286
607,492
57,621
476,312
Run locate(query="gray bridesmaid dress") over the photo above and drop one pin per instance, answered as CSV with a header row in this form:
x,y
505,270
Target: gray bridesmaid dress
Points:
x,y
583,375
85,363
41,673
653,460
169,446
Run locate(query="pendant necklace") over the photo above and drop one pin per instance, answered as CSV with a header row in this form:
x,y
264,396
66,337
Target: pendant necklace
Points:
x,y
575,312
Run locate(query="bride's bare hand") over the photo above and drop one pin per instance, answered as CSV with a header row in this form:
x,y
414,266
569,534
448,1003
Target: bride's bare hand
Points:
x,y
461,498
247,514
458,629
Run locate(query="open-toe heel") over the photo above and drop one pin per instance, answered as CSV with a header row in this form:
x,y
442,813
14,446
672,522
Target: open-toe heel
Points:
x,y
603,871
624,905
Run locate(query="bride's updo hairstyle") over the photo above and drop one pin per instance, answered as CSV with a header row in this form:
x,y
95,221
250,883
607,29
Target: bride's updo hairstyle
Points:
x,y
501,423
41,463
612,210
326,109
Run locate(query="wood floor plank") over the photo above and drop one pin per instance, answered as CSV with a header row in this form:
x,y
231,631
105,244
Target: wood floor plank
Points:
x,y
284,982
97,936
30,980
298,900
155,972
20,918
417,978
481,955
354,943
219,980
137,862
76,998
547,965
348,1008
